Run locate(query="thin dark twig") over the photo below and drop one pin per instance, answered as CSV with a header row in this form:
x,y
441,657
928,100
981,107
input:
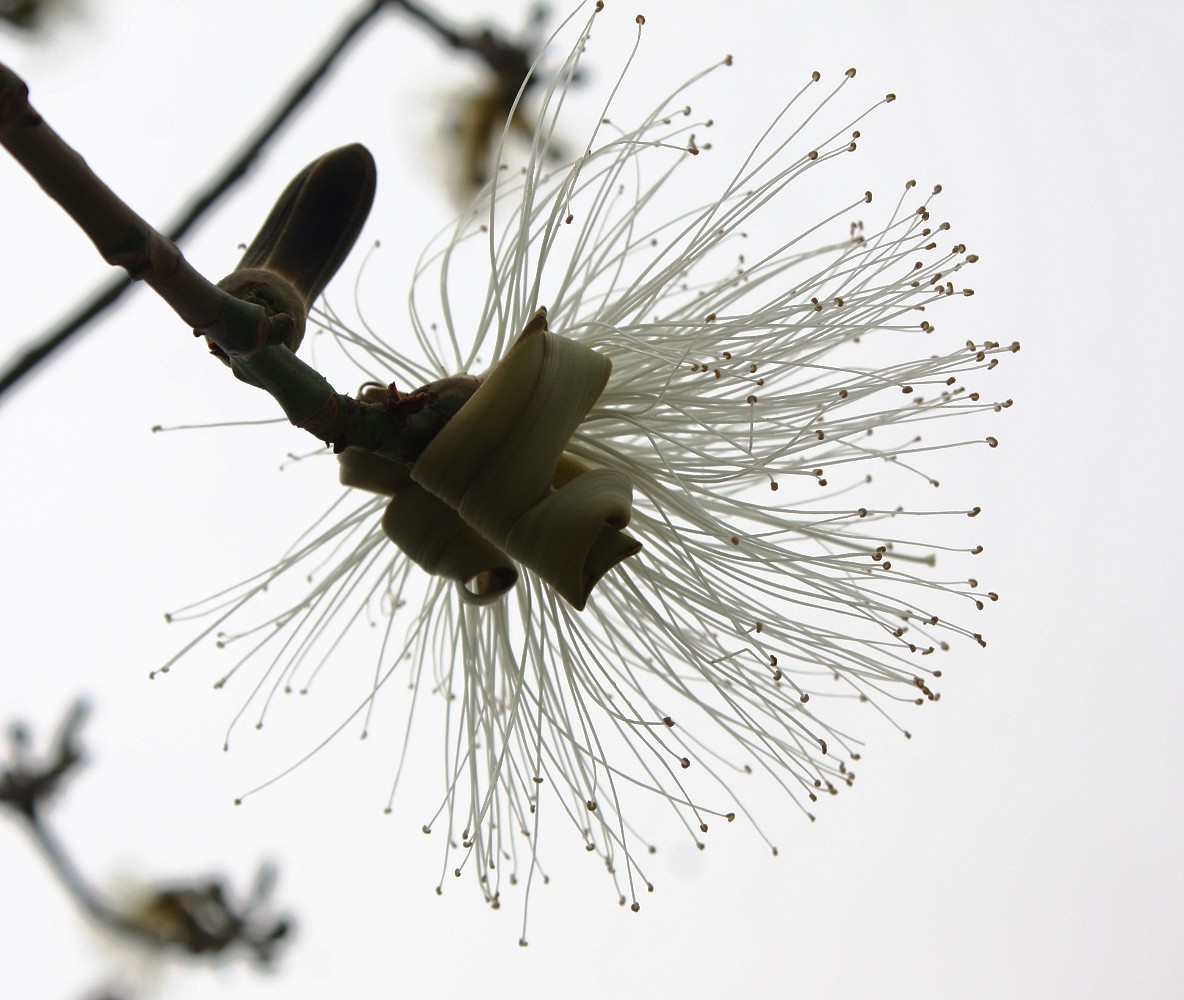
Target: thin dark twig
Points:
x,y
505,59
97,909
231,173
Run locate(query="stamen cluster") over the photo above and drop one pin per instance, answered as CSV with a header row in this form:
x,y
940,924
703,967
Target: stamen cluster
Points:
x,y
752,398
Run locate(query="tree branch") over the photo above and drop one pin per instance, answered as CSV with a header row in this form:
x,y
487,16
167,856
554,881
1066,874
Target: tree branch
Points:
x,y
255,329
224,180
508,61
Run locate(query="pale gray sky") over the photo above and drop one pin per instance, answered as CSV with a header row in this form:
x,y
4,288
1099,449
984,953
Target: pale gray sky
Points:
x,y
1025,843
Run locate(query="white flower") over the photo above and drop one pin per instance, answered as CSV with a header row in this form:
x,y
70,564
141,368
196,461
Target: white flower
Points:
x,y
774,589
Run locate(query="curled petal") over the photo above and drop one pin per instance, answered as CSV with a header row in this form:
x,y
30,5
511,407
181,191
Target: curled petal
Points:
x,y
429,532
496,463
432,535
365,470
573,536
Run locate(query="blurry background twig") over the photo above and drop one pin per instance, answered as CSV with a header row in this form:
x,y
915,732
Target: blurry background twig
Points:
x,y
196,917
27,15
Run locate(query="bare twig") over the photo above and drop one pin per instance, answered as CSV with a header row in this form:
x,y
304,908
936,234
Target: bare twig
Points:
x,y
505,59
26,783
121,236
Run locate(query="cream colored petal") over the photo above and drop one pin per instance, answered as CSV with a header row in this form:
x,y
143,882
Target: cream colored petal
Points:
x,y
572,537
498,455
495,485
473,438
432,535
609,548
364,470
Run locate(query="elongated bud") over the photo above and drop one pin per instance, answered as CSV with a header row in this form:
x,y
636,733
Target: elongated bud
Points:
x,y
305,238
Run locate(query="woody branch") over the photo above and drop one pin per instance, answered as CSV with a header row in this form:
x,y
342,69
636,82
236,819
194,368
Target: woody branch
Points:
x,y
256,329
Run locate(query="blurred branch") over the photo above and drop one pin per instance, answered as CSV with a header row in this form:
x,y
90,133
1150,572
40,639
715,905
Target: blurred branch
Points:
x,y
27,783
27,15
195,917
509,61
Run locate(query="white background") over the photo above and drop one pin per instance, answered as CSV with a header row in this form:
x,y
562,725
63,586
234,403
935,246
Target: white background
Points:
x,y
1025,843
